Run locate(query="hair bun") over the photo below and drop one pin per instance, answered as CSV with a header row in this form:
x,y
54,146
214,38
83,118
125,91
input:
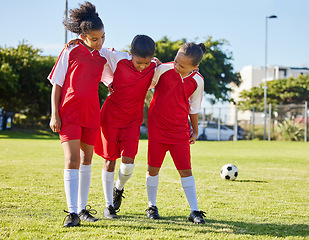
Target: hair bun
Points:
x,y
83,19
202,46
84,11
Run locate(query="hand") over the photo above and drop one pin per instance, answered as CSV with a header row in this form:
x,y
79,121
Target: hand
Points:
x,y
110,88
157,60
55,123
72,42
193,138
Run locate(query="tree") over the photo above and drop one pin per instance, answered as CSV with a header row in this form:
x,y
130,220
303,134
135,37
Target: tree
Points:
x,y
21,72
215,67
281,91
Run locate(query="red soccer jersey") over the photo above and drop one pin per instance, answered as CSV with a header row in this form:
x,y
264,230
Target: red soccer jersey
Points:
x,y
130,86
79,71
174,99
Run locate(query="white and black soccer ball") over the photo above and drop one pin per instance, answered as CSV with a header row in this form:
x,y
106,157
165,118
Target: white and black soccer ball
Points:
x,y
229,172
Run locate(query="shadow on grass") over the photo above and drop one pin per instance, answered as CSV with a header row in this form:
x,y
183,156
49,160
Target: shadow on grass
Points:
x,y
28,134
254,181
180,223
260,229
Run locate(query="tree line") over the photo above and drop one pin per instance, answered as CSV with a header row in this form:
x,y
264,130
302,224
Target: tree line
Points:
x,y
24,87
279,92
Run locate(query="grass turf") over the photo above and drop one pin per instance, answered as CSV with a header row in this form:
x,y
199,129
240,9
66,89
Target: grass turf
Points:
x,y
269,199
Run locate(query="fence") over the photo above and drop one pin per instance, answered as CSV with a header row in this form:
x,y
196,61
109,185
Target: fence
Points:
x,y
284,122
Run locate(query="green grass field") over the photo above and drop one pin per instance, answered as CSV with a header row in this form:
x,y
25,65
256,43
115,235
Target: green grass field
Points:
x,y
269,199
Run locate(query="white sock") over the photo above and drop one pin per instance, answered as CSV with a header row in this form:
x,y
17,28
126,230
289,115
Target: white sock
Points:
x,y
70,178
152,183
188,185
125,172
84,186
108,185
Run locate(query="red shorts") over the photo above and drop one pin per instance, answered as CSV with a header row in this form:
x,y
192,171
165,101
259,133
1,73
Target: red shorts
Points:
x,y
179,152
112,142
71,131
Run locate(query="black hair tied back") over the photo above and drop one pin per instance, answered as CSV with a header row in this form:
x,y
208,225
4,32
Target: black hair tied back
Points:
x,y
84,19
194,51
203,47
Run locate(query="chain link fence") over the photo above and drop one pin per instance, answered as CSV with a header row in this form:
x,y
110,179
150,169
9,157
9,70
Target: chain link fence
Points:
x,y
284,122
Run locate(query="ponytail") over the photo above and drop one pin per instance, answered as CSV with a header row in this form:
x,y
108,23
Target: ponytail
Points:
x,y
194,51
84,19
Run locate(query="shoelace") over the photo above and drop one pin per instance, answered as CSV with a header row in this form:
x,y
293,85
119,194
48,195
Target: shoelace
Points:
x,y
67,216
112,210
201,213
151,210
121,195
90,210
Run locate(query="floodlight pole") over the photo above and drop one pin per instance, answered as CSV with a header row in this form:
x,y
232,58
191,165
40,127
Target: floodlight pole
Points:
x,y
265,76
306,121
65,18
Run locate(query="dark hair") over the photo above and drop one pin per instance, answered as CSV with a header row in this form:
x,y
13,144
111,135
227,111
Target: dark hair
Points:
x,y
143,46
194,51
84,19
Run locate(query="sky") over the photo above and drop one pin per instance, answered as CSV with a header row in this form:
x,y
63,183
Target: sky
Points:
x,y
240,22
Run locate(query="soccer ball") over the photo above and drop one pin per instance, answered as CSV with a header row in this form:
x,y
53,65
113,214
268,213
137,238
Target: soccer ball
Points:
x,y
229,172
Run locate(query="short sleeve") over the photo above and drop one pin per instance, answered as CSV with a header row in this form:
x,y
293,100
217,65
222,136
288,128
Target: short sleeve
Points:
x,y
59,71
195,99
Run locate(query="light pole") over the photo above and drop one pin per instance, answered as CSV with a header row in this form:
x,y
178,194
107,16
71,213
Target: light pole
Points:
x,y
65,18
265,76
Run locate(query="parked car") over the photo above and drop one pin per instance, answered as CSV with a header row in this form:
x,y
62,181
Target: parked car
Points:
x,y
210,132
242,133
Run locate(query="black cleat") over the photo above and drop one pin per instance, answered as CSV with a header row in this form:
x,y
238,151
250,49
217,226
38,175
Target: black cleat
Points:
x,y
85,214
117,198
110,212
197,217
71,220
152,212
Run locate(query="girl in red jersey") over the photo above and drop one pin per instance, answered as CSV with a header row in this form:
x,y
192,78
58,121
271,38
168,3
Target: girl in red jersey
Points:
x,y
178,93
76,108
122,116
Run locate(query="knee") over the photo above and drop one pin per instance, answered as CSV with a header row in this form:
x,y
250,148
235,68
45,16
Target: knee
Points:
x,y
185,173
109,165
72,162
153,171
86,160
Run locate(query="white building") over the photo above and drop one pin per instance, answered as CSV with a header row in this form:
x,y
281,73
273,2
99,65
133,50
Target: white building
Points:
x,y
253,76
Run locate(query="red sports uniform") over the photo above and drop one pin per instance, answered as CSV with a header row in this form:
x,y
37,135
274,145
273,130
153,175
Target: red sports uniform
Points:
x,y
168,125
122,111
79,71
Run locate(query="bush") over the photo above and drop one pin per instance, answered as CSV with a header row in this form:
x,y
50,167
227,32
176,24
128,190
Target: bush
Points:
x,y
290,131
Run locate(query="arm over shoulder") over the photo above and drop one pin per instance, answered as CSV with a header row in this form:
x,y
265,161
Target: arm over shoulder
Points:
x,y
113,57
159,71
